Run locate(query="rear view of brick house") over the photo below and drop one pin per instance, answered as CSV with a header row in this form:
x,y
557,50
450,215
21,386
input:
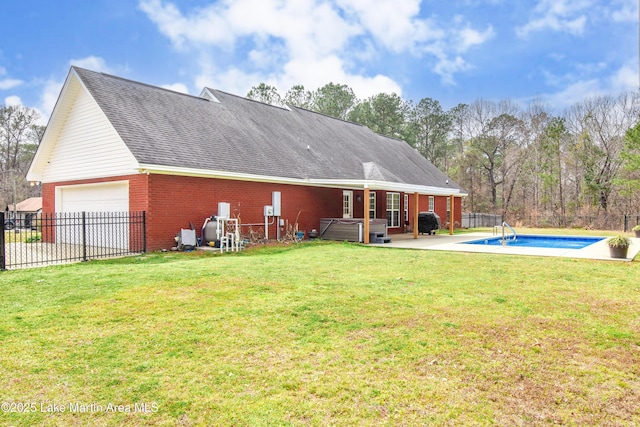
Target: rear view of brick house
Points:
x,y
117,145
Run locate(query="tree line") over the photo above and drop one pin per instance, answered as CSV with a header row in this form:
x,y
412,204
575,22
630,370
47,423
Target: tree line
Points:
x,y
20,135
527,163
530,164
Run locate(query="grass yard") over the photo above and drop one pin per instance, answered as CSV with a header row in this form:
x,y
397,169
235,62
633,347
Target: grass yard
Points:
x,y
322,334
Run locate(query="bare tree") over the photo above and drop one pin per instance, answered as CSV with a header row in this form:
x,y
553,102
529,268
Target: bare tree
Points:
x,y
19,138
598,126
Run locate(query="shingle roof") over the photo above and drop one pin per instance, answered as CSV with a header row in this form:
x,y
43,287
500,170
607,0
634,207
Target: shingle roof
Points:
x,y
239,135
32,204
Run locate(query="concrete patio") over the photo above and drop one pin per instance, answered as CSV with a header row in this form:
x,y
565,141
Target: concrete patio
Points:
x,y
445,242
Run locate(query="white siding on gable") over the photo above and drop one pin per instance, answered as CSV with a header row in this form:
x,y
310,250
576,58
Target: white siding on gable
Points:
x,y
88,146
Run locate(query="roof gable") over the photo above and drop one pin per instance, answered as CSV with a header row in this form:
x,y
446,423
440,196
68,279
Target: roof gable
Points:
x,y
80,142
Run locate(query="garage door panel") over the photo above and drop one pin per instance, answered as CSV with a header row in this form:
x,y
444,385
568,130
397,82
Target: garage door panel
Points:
x,y
94,198
98,229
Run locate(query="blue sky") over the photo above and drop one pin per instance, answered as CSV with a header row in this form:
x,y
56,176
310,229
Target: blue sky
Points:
x,y
560,51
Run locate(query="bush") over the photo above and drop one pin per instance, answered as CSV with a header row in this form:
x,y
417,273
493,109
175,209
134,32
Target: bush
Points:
x,y
32,239
619,241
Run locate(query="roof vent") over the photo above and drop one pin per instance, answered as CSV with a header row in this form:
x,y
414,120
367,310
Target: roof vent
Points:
x,y
207,94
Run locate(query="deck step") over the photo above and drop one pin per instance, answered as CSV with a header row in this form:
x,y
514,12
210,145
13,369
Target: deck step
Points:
x,y
378,237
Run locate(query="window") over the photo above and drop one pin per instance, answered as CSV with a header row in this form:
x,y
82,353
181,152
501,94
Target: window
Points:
x,y
432,204
372,205
448,209
393,209
347,204
406,208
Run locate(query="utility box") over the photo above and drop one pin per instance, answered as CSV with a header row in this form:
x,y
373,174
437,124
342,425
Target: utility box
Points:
x,y
224,210
275,202
268,211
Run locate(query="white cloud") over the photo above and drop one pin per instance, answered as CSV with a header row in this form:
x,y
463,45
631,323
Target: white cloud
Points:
x,y
49,95
52,87
7,84
392,23
447,67
205,26
12,101
313,76
15,101
177,87
469,37
93,63
330,69
623,11
623,79
574,93
310,42
557,15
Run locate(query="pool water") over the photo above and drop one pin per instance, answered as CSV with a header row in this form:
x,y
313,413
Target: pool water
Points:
x,y
531,241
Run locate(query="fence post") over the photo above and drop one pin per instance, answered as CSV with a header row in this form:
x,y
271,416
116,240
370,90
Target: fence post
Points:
x,y
84,236
626,223
3,265
144,231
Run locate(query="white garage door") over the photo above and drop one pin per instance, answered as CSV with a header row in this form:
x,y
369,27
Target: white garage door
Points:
x,y
105,224
107,197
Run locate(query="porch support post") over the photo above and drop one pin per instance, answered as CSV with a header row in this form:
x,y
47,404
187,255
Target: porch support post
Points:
x,y
366,214
452,214
416,197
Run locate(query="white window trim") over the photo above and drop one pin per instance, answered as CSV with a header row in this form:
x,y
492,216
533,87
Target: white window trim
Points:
x,y
347,204
432,203
372,209
390,216
406,208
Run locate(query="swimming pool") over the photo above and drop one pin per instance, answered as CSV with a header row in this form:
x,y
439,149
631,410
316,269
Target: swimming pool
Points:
x,y
537,241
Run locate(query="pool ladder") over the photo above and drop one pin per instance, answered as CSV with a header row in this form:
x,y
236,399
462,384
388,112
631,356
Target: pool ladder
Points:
x,y
504,234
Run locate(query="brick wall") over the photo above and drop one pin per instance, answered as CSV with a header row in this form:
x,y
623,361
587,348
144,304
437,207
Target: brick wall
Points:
x,y
173,202
137,196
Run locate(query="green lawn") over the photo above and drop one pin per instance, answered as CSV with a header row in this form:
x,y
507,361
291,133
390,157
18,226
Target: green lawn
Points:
x,y
322,334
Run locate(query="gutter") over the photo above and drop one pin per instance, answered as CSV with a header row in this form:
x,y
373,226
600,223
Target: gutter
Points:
x,y
351,184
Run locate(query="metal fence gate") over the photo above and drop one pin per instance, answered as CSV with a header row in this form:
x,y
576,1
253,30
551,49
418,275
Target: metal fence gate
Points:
x,y
64,237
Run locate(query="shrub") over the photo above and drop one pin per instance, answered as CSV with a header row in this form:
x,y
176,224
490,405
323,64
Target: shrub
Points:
x,y
619,241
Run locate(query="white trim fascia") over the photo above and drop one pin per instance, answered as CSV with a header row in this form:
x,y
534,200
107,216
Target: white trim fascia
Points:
x,y
32,174
355,184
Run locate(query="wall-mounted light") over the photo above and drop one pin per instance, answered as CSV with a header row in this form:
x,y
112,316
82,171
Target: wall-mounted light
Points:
x,y
358,198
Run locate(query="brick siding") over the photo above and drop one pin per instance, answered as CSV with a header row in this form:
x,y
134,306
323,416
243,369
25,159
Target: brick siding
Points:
x,y
175,202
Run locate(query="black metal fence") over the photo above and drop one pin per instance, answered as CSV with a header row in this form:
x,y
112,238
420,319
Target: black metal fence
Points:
x,y
613,222
472,220
620,222
58,238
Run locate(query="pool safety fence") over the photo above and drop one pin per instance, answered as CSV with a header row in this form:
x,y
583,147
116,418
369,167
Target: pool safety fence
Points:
x,y
473,220
611,221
